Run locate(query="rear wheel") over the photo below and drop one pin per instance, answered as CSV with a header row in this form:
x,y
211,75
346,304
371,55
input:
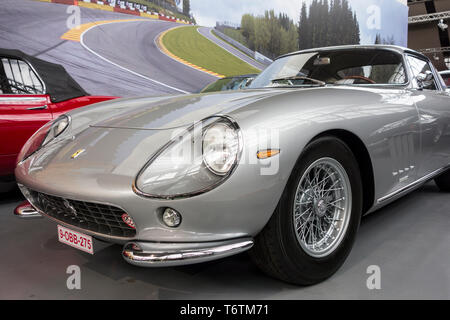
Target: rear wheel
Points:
x,y
315,223
443,181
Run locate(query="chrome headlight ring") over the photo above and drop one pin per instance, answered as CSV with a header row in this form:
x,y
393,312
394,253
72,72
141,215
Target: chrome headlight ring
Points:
x,y
196,177
43,136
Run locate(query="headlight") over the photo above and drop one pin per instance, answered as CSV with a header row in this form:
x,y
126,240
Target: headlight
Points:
x,y
57,128
44,136
220,147
198,160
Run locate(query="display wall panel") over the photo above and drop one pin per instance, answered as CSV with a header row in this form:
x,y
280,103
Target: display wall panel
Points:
x,y
417,9
423,36
442,5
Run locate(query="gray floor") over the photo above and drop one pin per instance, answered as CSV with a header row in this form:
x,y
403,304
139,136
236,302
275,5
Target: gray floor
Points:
x,y
409,240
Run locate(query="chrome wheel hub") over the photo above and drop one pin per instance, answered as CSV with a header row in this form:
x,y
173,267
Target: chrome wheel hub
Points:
x,y
322,207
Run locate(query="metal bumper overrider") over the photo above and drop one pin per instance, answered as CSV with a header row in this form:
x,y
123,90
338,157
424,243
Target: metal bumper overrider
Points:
x,y
26,211
175,254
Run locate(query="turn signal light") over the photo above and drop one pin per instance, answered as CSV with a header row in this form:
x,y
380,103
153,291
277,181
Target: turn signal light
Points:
x,y
264,154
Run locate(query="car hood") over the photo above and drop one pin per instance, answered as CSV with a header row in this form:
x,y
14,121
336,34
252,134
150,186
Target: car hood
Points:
x,y
171,112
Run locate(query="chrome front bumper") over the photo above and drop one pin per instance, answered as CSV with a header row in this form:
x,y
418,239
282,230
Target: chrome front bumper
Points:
x,y
145,254
26,211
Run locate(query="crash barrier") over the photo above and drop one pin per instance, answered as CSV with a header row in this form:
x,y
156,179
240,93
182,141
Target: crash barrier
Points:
x,y
125,7
254,54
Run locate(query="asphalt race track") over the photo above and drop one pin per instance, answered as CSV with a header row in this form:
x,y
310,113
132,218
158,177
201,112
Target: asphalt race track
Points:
x,y
36,28
409,240
140,54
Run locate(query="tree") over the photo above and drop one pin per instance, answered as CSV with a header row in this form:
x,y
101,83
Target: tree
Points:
x,y
187,7
248,30
327,23
270,34
378,39
303,29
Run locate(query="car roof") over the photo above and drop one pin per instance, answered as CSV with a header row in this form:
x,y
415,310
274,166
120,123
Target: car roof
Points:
x,y
59,85
398,49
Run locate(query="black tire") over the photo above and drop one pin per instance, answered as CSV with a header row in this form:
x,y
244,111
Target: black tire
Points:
x,y
277,251
443,181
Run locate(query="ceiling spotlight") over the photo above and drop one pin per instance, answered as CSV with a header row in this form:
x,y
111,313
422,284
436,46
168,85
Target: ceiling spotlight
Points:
x,y
442,25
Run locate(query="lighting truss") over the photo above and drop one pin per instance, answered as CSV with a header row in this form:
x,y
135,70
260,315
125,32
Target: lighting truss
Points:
x,y
424,18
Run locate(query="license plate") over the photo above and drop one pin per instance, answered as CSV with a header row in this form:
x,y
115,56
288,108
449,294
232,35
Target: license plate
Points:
x,y
76,239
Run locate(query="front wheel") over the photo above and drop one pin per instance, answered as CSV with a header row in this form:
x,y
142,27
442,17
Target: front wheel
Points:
x,y
315,223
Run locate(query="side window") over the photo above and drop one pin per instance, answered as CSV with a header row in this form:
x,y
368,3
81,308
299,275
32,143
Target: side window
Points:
x,y
418,67
16,77
447,79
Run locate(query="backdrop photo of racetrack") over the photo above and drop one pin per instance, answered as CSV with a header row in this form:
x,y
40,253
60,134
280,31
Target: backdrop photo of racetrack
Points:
x,y
152,47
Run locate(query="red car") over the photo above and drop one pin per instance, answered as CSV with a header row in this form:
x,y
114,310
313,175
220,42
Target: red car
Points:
x,y
32,92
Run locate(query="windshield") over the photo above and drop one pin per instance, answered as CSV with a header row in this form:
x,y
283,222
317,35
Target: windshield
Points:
x,y
339,67
226,84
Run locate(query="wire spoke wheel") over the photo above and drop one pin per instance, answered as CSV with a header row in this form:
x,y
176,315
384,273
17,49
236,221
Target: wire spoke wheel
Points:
x,y
322,207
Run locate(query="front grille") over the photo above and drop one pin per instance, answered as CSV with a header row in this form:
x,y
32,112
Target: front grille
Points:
x,y
100,218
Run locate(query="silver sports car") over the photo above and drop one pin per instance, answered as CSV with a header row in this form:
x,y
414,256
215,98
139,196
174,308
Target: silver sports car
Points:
x,y
285,168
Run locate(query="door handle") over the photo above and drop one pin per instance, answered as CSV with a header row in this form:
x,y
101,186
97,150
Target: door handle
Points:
x,y
38,108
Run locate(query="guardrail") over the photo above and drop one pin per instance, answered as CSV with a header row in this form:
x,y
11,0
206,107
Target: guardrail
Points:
x,y
254,54
120,7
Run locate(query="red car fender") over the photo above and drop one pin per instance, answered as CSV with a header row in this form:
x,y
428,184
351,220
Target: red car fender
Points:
x,y
22,115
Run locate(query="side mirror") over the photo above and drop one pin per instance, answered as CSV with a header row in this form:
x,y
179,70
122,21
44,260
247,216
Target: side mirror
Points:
x,y
424,79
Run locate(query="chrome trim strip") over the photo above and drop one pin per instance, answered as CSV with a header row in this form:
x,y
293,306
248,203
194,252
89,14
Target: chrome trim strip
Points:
x,y
133,254
23,99
413,185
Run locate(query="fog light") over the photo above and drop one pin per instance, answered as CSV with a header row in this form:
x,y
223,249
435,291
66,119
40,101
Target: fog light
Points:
x,y
171,218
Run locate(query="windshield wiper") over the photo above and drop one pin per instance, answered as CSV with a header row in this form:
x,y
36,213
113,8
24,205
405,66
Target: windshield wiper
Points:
x,y
319,82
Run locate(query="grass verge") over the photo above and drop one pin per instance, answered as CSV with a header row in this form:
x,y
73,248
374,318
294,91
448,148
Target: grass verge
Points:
x,y
188,44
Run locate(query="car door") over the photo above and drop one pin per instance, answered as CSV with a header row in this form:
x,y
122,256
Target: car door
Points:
x,y
433,103
24,108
